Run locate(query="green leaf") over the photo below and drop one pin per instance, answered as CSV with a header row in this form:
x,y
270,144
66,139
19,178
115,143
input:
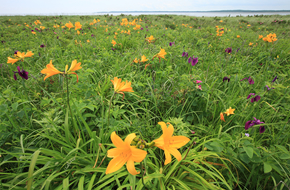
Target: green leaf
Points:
x,y
245,158
249,151
3,109
267,167
14,106
284,156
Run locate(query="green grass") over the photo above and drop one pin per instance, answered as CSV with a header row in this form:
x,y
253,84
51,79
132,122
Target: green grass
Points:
x,y
46,145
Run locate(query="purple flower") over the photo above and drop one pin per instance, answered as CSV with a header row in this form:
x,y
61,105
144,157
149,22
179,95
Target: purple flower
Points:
x,y
274,79
141,28
255,99
247,134
57,37
184,54
226,78
238,49
251,94
193,60
228,50
251,123
251,81
113,49
147,30
171,43
42,46
16,52
22,73
268,88
92,35
3,41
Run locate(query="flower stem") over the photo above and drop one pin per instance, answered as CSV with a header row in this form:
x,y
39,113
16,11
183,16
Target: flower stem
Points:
x,y
110,108
23,83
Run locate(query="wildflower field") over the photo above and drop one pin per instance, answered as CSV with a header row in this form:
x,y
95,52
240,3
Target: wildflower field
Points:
x,y
144,102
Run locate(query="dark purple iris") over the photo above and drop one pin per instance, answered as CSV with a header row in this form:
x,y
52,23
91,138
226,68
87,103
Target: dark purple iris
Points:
x,y
147,30
251,81
113,49
57,37
92,35
226,78
141,28
255,99
3,41
22,73
251,123
228,50
171,43
238,49
274,79
42,46
193,60
184,54
16,52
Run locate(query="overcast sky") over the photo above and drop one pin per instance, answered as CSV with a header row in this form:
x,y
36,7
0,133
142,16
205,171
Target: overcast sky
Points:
x,y
20,7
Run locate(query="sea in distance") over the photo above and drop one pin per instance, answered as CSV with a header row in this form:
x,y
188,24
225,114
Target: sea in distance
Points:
x,y
231,13
222,13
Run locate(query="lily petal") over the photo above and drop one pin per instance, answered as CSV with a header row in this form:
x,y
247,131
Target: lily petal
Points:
x,y
131,167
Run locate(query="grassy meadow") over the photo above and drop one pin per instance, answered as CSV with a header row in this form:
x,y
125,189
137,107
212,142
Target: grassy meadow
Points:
x,y
144,102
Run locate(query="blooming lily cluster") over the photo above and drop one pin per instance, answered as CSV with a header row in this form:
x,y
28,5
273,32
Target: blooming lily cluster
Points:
x,y
19,56
126,153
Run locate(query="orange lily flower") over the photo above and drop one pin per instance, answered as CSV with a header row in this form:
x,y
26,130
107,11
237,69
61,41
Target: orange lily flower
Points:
x,y
230,111
150,39
69,25
23,55
222,117
78,25
238,36
50,70
161,54
170,143
136,60
260,36
11,60
143,59
114,42
124,153
74,67
121,87
250,43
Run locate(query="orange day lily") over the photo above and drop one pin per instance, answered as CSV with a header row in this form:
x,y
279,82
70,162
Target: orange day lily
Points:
x,y
11,60
121,87
161,54
50,70
124,153
78,25
114,42
143,59
136,60
170,143
230,111
23,55
222,117
69,25
150,39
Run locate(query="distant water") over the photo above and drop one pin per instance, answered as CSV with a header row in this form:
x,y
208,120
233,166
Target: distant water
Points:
x,y
199,13
231,13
